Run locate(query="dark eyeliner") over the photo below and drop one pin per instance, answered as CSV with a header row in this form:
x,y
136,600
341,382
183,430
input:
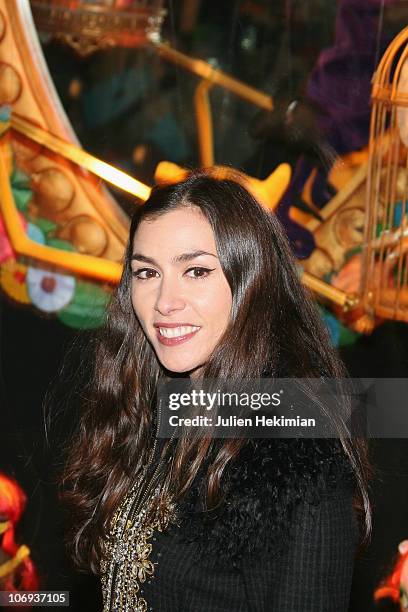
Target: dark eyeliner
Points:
x,y
135,273
204,269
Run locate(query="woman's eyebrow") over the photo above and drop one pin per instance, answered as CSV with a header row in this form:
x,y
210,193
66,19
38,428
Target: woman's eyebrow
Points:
x,y
188,256
144,258
182,258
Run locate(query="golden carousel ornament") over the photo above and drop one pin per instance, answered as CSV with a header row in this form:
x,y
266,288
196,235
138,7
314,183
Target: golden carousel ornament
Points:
x,y
90,25
57,186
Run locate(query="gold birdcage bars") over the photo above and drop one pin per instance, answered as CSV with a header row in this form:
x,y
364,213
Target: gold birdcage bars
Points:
x,y
384,289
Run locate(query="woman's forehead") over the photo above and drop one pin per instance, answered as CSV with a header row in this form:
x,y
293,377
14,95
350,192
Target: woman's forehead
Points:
x,y
183,228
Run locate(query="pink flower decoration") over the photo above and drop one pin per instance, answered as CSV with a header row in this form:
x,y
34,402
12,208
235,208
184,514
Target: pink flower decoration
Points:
x,y
6,250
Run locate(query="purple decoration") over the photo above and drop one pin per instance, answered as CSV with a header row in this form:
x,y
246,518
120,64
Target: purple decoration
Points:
x,y
340,84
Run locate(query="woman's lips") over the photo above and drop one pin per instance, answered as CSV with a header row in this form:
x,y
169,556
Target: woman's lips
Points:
x,y
184,337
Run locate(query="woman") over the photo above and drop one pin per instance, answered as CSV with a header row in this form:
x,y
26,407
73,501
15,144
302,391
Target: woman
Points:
x,y
210,290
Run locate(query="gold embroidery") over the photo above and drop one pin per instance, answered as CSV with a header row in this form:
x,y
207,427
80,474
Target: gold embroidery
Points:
x,y
125,564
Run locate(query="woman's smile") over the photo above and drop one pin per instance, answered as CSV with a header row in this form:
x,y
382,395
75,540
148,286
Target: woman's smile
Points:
x,y
173,334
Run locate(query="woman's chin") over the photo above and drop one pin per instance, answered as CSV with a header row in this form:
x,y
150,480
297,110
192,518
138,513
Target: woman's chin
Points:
x,y
188,369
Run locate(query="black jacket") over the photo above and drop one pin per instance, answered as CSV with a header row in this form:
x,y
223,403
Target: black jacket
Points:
x,y
283,540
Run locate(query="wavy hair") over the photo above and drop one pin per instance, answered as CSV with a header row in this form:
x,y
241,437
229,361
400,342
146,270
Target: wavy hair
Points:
x,y
275,330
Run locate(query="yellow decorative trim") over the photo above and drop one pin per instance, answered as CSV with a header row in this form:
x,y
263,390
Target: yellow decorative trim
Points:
x,y
204,123
337,296
216,77
81,158
13,276
341,196
4,525
83,265
10,565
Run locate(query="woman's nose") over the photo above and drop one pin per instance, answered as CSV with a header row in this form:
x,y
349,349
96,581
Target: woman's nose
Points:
x,y
169,298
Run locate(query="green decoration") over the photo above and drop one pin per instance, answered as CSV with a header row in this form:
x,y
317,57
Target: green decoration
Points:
x,y
87,309
347,336
349,254
63,245
20,179
44,224
20,185
22,197
340,334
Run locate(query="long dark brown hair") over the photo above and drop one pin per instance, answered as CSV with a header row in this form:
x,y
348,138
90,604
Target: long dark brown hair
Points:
x,y
275,330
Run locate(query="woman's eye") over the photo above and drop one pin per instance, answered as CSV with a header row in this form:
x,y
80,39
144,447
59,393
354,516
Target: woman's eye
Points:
x,y
144,273
198,272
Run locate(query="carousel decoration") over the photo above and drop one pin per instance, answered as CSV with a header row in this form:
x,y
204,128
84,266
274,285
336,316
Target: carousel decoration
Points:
x,y
62,234
17,571
88,26
393,589
361,234
59,219
385,257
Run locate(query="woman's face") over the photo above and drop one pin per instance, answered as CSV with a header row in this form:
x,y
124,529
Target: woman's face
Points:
x,y
179,292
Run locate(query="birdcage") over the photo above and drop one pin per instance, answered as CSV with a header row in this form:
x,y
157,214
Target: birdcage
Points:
x,y
384,290
90,25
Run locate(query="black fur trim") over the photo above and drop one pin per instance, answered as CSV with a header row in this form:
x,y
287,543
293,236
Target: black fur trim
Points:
x,y
263,486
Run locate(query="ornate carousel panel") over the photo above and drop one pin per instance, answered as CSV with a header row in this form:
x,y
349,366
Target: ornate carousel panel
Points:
x,y
58,214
